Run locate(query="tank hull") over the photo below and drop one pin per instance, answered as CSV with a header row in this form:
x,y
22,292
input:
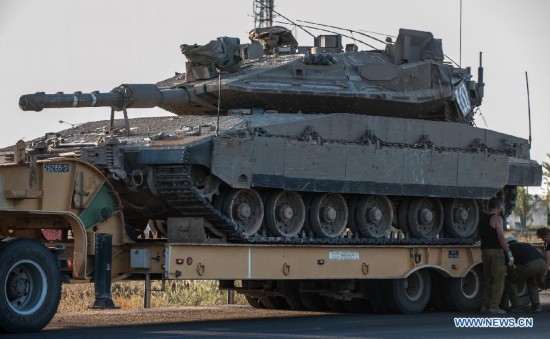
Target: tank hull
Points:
x,y
351,160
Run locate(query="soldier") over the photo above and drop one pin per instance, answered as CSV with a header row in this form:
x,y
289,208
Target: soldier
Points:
x,y
530,267
491,231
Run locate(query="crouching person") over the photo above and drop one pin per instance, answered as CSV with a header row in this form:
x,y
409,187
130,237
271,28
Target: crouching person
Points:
x,y
530,267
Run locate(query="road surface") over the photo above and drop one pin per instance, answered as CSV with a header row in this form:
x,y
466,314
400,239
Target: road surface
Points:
x,y
237,321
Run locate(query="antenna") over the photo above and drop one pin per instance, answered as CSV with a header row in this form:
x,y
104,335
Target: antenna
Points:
x,y
263,13
262,5
460,42
528,105
344,29
219,99
329,31
482,117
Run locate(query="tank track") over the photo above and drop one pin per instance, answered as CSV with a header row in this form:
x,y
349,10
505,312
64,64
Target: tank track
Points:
x,y
175,187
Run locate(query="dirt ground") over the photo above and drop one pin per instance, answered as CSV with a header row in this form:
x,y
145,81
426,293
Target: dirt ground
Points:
x,y
117,317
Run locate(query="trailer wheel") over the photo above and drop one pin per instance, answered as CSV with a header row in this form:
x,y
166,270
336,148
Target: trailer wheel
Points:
x,y
409,295
523,293
464,294
30,286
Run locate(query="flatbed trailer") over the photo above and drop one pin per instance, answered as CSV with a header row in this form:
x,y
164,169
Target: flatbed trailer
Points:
x,y
61,221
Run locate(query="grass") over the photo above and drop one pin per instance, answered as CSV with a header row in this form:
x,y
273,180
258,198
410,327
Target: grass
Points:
x,y
130,295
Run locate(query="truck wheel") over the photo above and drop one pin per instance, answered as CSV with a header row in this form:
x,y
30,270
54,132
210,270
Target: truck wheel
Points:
x,y
464,294
30,285
523,293
409,295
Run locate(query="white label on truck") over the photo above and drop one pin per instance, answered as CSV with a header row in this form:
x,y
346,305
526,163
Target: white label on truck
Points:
x,y
343,255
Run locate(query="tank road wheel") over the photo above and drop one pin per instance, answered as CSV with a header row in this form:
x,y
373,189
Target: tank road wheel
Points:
x,y
373,216
245,208
204,183
30,285
463,294
285,214
409,295
461,217
425,217
328,215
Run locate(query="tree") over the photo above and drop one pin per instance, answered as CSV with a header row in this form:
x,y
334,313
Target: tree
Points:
x,y
526,206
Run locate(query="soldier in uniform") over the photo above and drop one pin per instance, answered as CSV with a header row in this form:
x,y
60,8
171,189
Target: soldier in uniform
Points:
x,y
491,231
530,267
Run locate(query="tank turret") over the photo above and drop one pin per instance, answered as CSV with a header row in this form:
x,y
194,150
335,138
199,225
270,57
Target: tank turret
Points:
x,y
407,79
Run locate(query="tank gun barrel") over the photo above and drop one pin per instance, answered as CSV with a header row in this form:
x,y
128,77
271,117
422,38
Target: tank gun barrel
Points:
x,y
122,97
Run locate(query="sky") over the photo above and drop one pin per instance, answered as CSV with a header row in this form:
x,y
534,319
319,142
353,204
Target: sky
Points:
x,y
67,45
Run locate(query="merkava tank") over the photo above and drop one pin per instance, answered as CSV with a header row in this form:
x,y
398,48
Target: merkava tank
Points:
x,y
278,143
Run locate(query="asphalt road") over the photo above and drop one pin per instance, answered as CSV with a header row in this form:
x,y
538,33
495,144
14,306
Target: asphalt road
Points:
x,y
245,322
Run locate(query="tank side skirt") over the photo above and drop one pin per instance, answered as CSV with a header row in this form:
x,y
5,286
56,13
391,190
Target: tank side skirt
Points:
x,y
361,169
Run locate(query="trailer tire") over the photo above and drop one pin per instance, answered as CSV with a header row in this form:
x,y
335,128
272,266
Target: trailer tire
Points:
x,y
409,295
30,285
464,294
